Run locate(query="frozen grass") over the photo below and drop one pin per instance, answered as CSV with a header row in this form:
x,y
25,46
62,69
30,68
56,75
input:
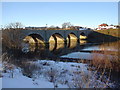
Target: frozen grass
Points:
x,y
50,74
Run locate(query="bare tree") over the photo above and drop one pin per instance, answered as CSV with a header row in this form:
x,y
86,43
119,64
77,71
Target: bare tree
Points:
x,y
14,25
66,25
11,34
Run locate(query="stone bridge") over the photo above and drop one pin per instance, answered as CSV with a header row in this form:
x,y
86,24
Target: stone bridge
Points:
x,y
46,34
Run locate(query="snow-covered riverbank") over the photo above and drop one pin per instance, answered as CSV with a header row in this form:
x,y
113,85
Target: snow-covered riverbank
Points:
x,y
50,74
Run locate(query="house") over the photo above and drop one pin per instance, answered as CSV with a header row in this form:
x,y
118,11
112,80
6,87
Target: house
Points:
x,y
106,26
103,26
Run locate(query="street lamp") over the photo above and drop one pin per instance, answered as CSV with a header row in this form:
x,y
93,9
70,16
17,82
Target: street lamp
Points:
x,y
46,26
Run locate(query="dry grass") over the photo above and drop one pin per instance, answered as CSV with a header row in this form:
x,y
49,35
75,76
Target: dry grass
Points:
x,y
112,32
101,67
107,59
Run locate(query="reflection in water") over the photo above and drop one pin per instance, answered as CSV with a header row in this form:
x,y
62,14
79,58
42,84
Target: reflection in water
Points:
x,y
55,42
82,42
113,46
30,44
53,45
72,43
31,47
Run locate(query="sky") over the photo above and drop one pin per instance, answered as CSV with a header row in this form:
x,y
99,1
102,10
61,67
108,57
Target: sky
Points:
x,y
86,14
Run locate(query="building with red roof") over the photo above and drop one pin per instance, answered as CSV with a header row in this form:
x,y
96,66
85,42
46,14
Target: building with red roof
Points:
x,y
106,26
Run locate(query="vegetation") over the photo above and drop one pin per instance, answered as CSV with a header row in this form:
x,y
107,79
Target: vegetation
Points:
x,y
66,25
101,36
11,34
15,25
53,28
108,59
111,32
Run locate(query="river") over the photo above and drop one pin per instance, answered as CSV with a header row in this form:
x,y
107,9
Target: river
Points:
x,y
75,65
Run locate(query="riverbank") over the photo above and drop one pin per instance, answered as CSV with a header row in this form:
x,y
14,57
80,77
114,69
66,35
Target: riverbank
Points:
x,y
102,36
111,32
51,74
39,70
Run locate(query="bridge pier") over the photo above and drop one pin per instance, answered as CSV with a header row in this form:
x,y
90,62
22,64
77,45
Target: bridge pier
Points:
x,y
78,40
36,41
65,42
69,41
55,38
47,45
46,42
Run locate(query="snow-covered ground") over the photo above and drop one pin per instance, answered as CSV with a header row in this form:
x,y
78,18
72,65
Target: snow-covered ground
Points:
x,y
49,74
20,81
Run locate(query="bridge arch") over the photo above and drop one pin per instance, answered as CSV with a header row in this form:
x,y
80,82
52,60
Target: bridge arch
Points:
x,y
56,37
71,38
72,32
55,41
37,39
83,35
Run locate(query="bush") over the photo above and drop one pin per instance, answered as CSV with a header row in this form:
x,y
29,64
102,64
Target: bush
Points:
x,y
11,34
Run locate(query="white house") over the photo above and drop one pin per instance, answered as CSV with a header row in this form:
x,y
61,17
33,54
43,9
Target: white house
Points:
x,y
106,26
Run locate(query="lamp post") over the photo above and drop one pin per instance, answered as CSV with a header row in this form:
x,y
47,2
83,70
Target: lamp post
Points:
x,y
46,26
